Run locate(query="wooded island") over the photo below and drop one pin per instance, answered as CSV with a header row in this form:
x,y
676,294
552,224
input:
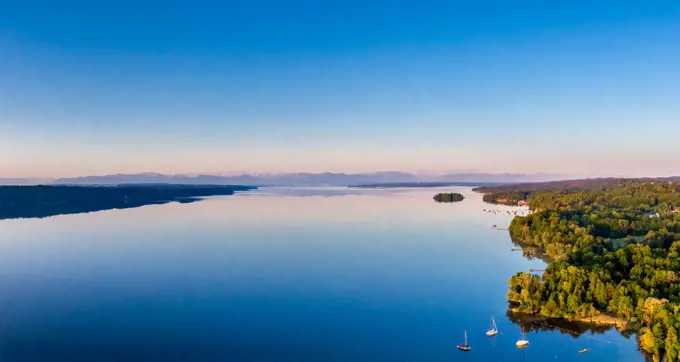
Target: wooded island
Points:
x,y
448,197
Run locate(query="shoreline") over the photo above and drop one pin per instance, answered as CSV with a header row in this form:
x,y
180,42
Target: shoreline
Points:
x,y
601,320
29,202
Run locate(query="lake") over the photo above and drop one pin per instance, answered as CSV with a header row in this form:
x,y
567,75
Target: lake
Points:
x,y
278,274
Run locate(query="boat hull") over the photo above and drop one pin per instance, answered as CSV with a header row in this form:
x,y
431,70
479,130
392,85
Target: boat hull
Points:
x,y
491,333
463,348
522,343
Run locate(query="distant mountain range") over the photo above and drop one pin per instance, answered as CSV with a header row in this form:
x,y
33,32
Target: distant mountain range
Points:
x,y
290,179
25,181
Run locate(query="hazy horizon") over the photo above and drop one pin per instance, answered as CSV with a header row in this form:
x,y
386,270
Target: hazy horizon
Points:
x,y
579,87
425,173
373,177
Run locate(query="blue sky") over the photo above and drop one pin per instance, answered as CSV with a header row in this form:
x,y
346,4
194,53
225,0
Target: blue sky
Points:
x,y
579,87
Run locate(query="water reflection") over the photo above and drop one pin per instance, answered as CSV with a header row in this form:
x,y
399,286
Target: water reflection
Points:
x,y
574,329
529,252
336,191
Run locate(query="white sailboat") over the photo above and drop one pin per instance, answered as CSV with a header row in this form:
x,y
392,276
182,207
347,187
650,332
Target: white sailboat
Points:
x,y
494,330
522,342
465,346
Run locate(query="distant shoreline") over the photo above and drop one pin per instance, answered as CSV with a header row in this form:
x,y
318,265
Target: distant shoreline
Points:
x,y
25,202
389,185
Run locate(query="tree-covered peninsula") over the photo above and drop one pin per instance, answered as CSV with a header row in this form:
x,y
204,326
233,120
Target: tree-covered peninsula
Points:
x,y
448,197
615,258
43,201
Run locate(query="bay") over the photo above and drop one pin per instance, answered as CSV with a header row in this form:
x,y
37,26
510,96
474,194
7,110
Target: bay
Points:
x,y
278,274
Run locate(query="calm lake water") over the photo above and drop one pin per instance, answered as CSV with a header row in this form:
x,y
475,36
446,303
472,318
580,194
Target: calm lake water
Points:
x,y
274,275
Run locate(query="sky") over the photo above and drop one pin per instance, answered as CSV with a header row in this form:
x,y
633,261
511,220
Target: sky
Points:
x,y
570,87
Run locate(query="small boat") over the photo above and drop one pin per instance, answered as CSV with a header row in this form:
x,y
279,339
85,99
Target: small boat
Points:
x,y
522,342
464,347
584,350
494,330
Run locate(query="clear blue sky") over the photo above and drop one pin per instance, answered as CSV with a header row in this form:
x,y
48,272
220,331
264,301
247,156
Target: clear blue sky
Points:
x,y
581,87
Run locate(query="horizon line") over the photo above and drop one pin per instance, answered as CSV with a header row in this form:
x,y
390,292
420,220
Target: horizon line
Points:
x,y
378,172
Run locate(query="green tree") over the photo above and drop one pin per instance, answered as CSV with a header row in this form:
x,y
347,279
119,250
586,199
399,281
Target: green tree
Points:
x,y
672,344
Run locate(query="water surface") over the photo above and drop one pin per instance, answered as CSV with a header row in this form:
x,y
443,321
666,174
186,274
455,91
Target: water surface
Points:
x,y
281,274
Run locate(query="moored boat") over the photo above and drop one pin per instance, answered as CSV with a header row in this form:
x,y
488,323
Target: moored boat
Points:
x,y
494,330
465,346
522,342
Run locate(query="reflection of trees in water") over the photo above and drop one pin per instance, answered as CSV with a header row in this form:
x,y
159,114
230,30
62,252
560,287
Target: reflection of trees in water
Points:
x,y
591,334
533,323
531,252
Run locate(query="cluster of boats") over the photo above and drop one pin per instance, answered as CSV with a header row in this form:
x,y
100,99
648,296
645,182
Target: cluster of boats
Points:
x,y
522,342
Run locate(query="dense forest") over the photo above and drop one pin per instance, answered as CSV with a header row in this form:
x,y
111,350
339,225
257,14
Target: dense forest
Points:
x,y
614,256
448,197
43,201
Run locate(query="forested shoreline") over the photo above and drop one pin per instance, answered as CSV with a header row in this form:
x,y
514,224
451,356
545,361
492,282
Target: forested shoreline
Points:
x,y
614,253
